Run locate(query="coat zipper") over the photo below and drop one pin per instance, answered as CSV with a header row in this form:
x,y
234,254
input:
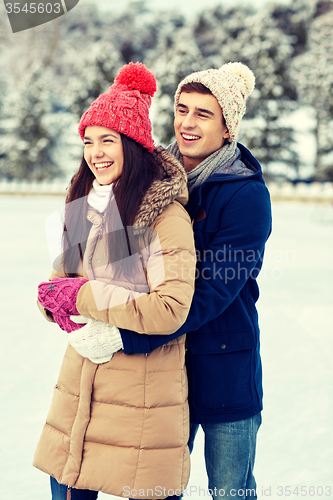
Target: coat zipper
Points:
x,y
69,493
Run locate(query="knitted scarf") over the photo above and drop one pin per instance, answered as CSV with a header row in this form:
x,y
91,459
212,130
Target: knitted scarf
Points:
x,y
209,166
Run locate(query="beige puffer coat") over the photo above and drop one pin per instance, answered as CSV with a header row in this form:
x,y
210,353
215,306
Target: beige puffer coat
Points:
x,y
122,427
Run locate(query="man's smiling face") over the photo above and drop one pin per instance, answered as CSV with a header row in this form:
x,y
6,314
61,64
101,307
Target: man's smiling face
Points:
x,y
199,127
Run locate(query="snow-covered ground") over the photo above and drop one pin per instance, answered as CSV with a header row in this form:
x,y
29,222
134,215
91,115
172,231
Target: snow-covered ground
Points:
x,y
295,442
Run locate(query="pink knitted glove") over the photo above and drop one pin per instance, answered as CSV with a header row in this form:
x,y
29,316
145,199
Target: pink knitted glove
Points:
x,y
59,295
66,323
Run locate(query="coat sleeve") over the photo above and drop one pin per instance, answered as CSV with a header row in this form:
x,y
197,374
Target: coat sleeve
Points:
x,y
232,258
165,308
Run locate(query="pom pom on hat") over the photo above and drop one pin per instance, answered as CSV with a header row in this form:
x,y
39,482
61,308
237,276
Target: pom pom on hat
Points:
x,y
241,71
230,85
125,106
137,77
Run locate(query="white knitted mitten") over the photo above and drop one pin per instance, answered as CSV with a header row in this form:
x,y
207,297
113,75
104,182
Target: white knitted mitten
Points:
x,y
96,340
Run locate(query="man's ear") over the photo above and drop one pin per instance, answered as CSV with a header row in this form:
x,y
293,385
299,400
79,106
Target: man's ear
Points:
x,y
226,134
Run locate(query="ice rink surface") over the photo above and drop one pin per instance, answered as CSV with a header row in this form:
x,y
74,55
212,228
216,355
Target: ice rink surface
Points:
x,y
295,442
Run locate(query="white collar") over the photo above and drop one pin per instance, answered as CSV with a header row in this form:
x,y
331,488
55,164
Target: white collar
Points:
x,y
99,196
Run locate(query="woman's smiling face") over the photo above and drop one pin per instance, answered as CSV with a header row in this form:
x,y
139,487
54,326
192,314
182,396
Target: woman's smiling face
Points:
x,y
103,152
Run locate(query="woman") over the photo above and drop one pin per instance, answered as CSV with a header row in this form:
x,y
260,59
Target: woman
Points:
x,y
118,423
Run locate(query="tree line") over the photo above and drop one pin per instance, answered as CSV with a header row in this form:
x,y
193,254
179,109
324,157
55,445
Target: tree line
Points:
x,y
50,75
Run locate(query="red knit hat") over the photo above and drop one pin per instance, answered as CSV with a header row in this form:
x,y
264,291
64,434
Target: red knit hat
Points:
x,y
125,106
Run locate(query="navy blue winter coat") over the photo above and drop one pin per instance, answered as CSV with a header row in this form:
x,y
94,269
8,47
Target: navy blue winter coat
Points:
x,y
232,221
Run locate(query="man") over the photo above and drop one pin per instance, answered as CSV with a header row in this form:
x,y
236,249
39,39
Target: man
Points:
x,y
230,208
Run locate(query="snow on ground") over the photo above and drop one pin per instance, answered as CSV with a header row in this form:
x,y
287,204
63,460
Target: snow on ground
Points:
x,y
296,316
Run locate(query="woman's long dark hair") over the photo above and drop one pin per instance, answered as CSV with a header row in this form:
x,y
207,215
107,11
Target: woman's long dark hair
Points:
x,y
140,169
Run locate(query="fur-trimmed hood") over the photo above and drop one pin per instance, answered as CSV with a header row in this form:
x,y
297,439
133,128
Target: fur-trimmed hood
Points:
x,y
162,192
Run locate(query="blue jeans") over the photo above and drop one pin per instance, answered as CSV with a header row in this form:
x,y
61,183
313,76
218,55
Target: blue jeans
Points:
x,y
59,492
230,450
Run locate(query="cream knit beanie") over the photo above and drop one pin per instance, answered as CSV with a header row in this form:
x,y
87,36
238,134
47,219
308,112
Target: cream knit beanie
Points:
x,y
231,85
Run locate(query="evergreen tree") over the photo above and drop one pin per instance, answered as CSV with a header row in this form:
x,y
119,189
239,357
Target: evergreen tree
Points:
x,y
4,118
288,47
84,25
216,28
27,146
132,32
92,75
178,56
293,20
256,40
313,74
